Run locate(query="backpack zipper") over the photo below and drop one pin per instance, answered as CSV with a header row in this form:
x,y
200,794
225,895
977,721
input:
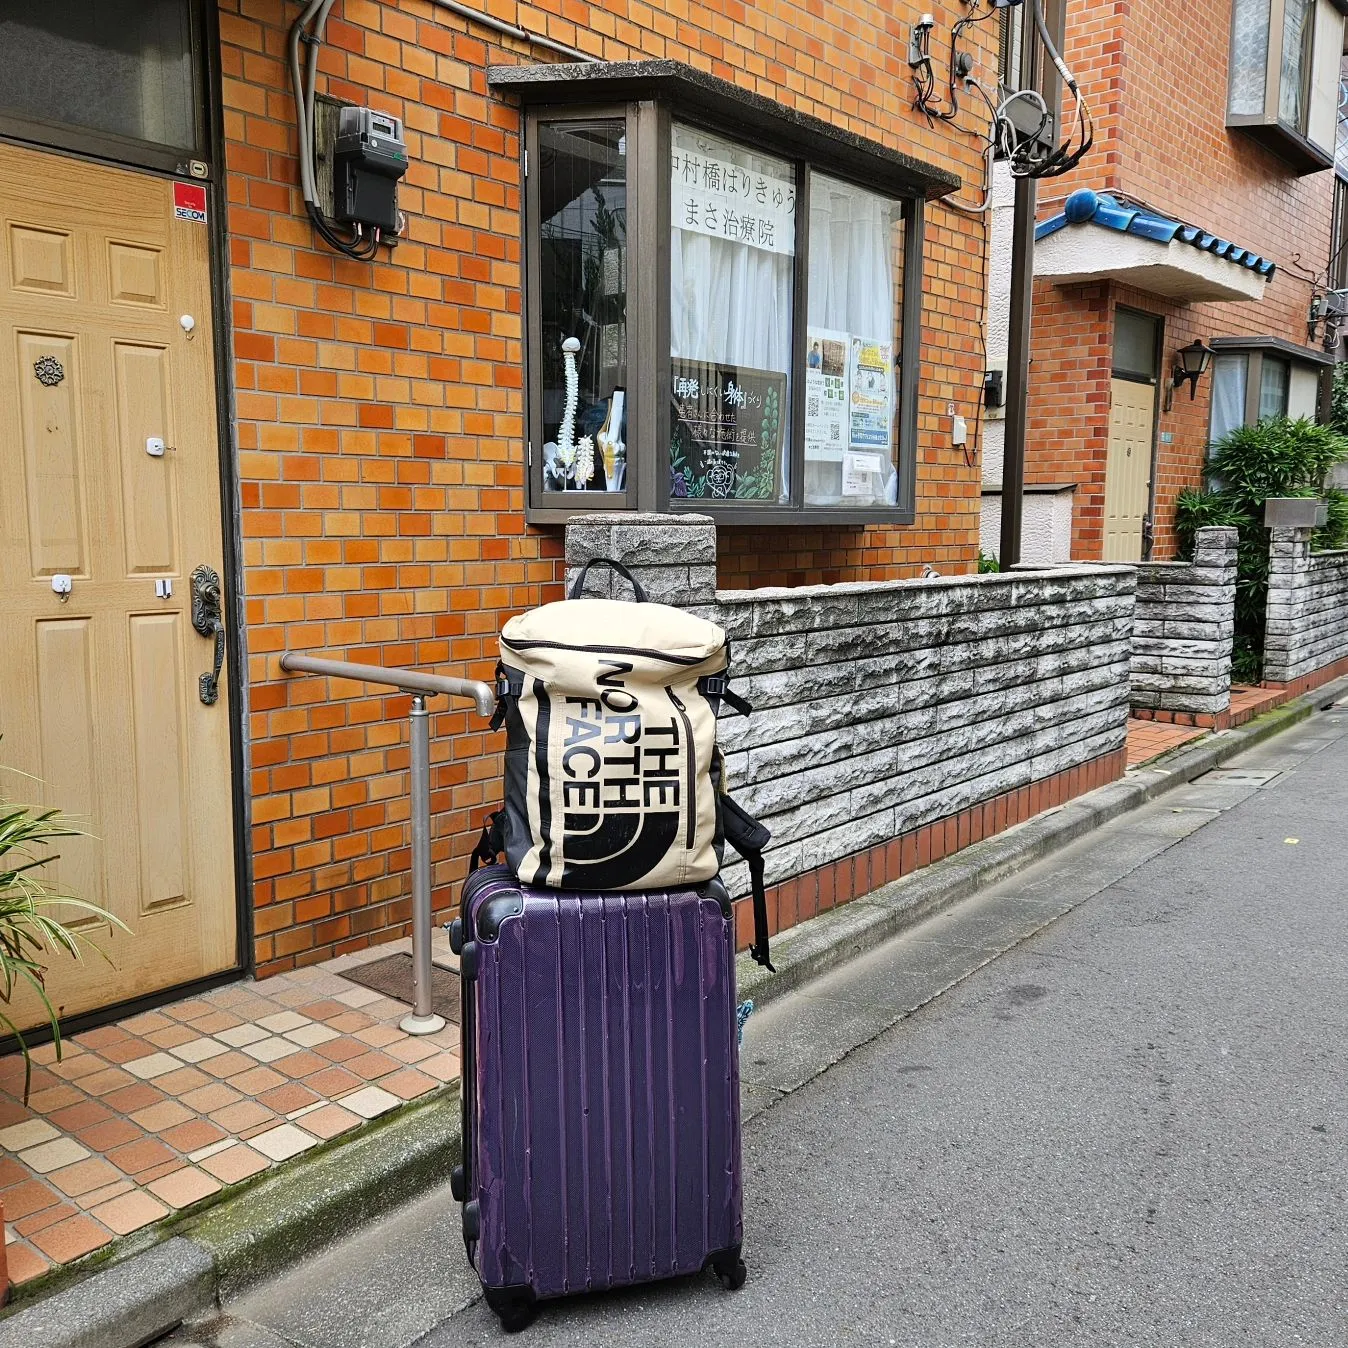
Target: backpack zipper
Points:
x,y
608,650
691,759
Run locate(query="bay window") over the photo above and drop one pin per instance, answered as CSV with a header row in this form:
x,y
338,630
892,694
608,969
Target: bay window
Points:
x,y
1256,378
1284,76
721,302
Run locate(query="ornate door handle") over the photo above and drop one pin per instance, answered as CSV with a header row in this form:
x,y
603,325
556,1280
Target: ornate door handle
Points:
x,y
206,619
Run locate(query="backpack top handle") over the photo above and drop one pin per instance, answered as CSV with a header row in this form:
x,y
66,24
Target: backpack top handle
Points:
x,y
578,588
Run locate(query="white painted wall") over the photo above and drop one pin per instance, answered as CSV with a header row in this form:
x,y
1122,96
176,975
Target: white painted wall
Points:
x,y
1045,528
998,314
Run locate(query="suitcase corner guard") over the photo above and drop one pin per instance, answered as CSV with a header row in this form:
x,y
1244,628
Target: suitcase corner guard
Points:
x,y
492,915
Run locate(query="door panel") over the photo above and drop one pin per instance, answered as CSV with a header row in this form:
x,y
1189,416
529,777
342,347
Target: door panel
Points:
x,y
1132,415
98,693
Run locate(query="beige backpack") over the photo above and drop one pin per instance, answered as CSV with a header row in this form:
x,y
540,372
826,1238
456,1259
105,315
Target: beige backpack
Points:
x,y
612,774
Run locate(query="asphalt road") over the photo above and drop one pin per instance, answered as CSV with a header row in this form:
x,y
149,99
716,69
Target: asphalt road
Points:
x,y
1128,1129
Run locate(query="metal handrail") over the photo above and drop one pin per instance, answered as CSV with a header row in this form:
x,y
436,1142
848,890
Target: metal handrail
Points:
x,y
410,680
422,1019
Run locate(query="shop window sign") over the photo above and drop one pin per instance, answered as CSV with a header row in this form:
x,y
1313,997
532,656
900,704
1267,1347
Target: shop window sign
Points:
x,y
726,441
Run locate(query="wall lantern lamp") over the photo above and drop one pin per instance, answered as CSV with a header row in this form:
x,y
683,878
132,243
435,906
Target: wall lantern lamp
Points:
x,y
1191,363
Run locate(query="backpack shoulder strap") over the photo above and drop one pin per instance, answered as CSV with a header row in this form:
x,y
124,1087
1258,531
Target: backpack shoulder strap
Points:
x,y
492,842
748,837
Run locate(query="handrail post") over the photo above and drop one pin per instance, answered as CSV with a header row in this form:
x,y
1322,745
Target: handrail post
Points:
x,y
422,1019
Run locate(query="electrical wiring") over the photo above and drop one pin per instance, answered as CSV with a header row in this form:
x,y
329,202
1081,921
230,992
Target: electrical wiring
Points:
x,y
960,66
307,30
1029,158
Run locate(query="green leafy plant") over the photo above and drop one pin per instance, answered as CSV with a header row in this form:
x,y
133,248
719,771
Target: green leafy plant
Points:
x,y
1278,457
987,566
30,930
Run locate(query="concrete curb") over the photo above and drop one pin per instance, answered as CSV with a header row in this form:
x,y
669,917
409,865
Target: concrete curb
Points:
x,y
264,1228
285,1216
814,947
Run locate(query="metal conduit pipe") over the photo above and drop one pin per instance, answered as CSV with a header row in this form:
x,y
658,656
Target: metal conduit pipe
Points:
x,y
510,30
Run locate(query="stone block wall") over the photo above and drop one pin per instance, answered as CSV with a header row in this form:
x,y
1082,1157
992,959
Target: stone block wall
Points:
x,y
1183,627
1306,625
896,721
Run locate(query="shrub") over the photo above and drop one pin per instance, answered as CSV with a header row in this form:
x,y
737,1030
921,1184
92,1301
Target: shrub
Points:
x,y
30,930
1278,457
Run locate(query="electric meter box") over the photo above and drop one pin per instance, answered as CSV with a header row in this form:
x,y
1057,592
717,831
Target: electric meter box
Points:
x,y
368,159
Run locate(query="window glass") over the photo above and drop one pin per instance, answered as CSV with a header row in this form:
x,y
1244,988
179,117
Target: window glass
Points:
x,y
582,187
732,273
123,67
1229,381
1134,344
1338,237
1249,56
1298,27
1274,380
851,362
1341,136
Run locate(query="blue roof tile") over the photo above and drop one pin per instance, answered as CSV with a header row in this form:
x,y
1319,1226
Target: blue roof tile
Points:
x,y
1099,208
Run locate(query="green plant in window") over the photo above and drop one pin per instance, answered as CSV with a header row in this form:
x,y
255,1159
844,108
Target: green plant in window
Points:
x,y
1277,457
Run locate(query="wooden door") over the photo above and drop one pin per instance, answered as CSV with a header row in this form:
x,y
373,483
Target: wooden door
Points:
x,y
1132,414
99,698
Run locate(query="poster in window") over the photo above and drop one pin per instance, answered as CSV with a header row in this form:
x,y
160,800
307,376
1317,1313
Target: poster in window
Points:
x,y
870,369
826,401
726,432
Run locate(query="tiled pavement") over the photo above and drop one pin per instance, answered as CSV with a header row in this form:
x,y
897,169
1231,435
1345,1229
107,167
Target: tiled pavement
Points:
x,y
166,1108
1150,739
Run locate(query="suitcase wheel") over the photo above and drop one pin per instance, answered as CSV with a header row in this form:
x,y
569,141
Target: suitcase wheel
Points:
x,y
516,1306
468,961
472,1221
456,1184
456,935
729,1267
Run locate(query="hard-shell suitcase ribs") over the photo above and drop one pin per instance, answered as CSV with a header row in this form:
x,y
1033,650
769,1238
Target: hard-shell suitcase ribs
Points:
x,y
601,1114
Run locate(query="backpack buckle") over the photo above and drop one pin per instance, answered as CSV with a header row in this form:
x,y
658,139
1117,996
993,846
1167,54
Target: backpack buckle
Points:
x,y
714,684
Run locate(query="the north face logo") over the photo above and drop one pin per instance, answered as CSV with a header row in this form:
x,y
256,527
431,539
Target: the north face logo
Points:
x,y
623,781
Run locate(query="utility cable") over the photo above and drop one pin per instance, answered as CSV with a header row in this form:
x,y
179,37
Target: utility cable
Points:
x,y
308,30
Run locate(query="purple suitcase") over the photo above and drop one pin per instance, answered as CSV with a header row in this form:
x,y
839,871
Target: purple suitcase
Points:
x,y
601,1109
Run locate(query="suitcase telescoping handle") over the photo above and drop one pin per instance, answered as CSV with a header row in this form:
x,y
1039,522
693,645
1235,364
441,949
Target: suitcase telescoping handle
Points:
x,y
579,587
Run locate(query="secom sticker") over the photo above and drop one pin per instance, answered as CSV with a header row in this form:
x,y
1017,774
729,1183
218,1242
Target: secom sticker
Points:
x,y
189,202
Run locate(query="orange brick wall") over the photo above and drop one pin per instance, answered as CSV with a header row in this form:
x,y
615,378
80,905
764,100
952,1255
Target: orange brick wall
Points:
x,y
1161,138
378,408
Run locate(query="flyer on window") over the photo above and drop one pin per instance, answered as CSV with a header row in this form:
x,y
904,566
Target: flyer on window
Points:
x,y
870,369
826,433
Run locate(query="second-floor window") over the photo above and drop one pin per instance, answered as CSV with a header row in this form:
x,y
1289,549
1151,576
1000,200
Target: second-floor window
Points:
x,y
1284,77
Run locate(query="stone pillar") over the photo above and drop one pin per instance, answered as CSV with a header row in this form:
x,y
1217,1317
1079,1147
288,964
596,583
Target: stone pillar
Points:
x,y
1289,567
673,556
1183,629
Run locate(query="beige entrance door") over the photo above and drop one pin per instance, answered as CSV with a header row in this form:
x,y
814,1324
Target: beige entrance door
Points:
x,y
1132,414
99,699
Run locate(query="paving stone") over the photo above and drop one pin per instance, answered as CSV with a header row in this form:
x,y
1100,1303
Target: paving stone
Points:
x,y
49,1156
283,1142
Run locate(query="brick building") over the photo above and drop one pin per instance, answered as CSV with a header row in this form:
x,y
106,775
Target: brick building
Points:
x,y
366,451
1214,197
